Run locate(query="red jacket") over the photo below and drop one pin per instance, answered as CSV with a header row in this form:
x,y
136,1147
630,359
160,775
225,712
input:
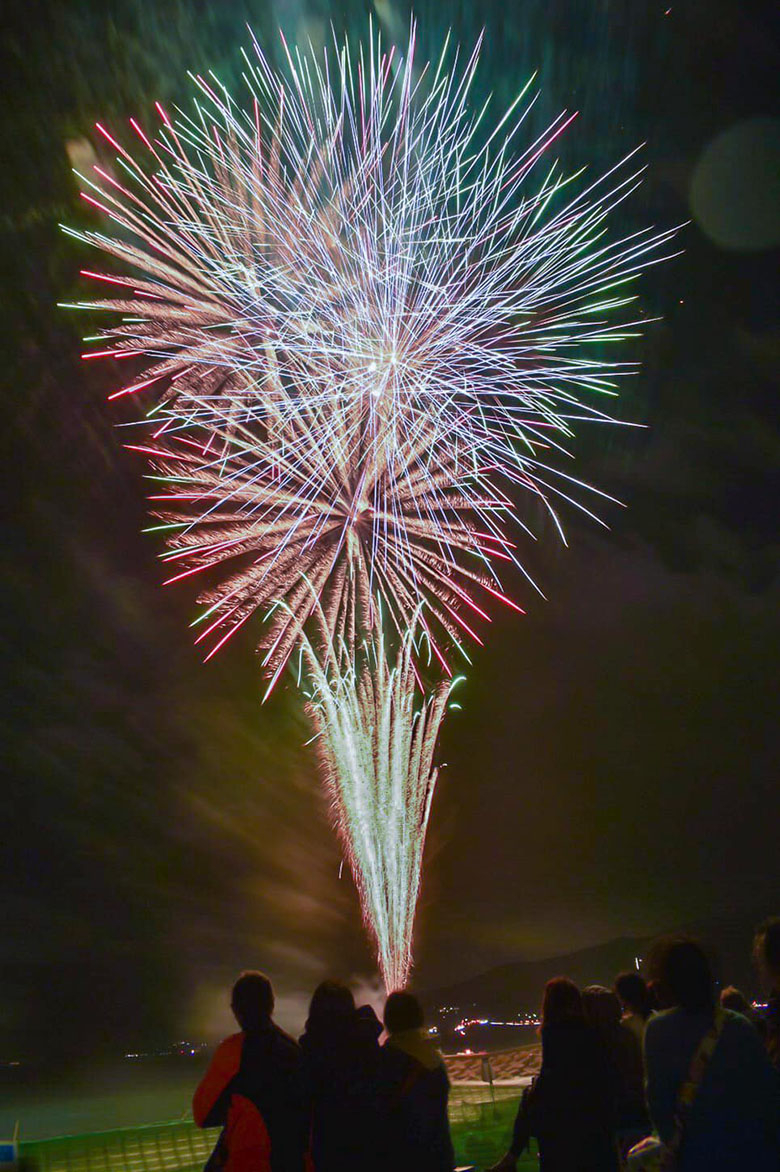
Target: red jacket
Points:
x,y
252,1089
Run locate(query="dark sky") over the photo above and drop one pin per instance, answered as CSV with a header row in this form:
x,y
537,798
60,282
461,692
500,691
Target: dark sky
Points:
x,y
614,766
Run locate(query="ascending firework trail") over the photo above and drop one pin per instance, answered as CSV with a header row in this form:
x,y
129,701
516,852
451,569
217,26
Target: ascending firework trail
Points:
x,y
368,324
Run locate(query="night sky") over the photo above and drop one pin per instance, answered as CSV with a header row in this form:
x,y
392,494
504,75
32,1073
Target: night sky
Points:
x,y
613,770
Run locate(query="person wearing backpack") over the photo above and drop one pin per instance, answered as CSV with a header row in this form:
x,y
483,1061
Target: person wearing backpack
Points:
x,y
713,1096
416,1091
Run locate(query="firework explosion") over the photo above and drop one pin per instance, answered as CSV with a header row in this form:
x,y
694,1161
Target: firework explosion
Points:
x,y
368,326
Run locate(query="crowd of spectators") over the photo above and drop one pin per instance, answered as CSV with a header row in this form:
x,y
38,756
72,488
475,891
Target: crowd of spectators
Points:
x,y
335,1101
668,1059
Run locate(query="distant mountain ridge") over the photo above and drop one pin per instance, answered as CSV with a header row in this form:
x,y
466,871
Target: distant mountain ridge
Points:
x,y
516,987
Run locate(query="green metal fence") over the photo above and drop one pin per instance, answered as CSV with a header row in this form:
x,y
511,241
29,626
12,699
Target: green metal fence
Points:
x,y
480,1132
177,1146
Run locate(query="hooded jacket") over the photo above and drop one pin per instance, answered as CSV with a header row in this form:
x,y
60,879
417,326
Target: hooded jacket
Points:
x,y
417,1090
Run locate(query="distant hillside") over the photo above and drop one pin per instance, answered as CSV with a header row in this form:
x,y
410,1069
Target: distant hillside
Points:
x,y
516,987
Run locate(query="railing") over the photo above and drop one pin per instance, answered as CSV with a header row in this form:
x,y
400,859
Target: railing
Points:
x,y
480,1135
178,1146
481,1116
519,1062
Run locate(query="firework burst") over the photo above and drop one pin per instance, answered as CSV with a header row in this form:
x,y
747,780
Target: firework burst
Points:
x,y
368,326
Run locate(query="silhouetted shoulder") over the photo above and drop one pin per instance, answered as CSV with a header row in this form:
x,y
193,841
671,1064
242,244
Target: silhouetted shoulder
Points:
x,y
229,1048
660,1026
744,1034
738,1021
285,1041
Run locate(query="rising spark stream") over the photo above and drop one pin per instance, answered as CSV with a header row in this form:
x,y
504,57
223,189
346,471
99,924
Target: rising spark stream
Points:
x,y
376,744
366,325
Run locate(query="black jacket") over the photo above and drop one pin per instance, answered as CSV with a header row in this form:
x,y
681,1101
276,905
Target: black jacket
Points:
x,y
570,1108
344,1096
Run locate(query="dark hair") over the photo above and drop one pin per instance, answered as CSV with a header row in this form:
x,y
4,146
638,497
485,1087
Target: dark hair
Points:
x,y
766,947
252,1000
732,998
562,1001
632,990
402,1012
684,973
332,1004
601,1008
369,1026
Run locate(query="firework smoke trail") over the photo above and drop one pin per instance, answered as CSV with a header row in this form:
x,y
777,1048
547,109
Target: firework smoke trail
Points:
x,y
376,744
367,326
